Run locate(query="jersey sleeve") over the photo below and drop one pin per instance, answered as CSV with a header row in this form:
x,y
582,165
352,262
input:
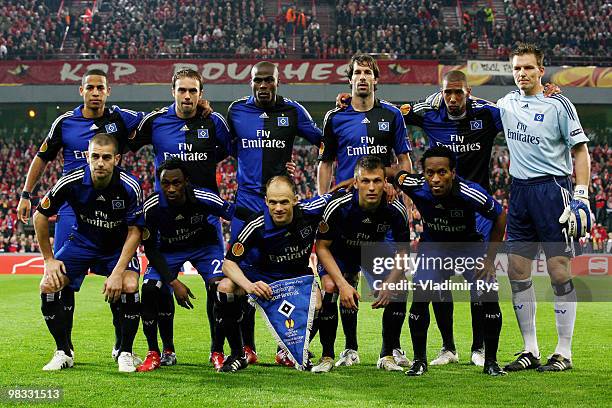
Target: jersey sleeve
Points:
x,y
331,223
399,222
329,144
482,202
214,204
233,137
401,145
53,143
315,205
57,196
409,183
134,215
130,118
151,218
144,133
307,128
246,240
569,123
224,138
414,112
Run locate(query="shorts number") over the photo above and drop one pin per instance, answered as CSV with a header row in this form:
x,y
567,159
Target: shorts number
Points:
x,y
216,263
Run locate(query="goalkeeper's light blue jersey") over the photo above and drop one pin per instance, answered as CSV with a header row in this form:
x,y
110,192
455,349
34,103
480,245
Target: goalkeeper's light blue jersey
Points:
x,y
540,133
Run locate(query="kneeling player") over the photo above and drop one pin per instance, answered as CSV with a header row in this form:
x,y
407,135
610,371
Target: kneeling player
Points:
x,y
177,231
351,220
107,202
279,240
447,204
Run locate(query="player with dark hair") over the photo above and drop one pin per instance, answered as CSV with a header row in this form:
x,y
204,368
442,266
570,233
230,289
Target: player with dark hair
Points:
x,y
107,202
200,141
177,230
447,204
263,126
542,134
279,242
351,220
70,133
368,126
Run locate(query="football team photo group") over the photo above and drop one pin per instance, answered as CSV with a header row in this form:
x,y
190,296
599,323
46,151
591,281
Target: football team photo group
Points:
x,y
382,274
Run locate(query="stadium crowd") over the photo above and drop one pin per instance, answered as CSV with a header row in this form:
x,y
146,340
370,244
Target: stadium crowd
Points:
x,y
213,28
18,147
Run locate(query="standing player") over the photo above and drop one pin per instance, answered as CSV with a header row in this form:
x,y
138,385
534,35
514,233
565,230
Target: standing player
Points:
x,y
542,134
200,142
71,133
279,240
351,220
368,126
447,204
177,230
107,202
264,126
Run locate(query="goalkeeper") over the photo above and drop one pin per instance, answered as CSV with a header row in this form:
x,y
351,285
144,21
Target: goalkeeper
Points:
x,y
542,134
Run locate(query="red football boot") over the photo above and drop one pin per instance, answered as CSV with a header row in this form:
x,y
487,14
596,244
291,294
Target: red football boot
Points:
x,y
283,359
250,354
217,359
152,361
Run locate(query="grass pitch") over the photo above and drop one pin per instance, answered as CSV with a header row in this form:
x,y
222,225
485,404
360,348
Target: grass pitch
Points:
x,y
95,382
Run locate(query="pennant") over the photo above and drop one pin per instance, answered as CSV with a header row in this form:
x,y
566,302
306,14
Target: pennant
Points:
x,y
289,315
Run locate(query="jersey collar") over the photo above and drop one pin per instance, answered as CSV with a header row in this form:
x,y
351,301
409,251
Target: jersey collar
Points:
x,y
349,108
163,202
273,229
87,181
78,112
279,102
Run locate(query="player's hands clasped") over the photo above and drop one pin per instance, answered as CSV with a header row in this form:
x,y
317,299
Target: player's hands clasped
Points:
x,y
182,293
24,209
260,289
349,297
54,269
112,287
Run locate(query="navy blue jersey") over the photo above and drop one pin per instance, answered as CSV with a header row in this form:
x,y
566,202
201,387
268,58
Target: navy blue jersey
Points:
x,y
450,218
71,132
263,138
280,252
348,135
199,142
178,228
349,226
102,216
470,137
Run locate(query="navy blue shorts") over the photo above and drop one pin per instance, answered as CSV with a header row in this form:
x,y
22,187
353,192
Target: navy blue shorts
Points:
x,y
349,271
533,216
207,261
79,258
63,227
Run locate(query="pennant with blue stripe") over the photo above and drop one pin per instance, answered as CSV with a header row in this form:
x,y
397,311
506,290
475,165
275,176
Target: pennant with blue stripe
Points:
x,y
289,315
